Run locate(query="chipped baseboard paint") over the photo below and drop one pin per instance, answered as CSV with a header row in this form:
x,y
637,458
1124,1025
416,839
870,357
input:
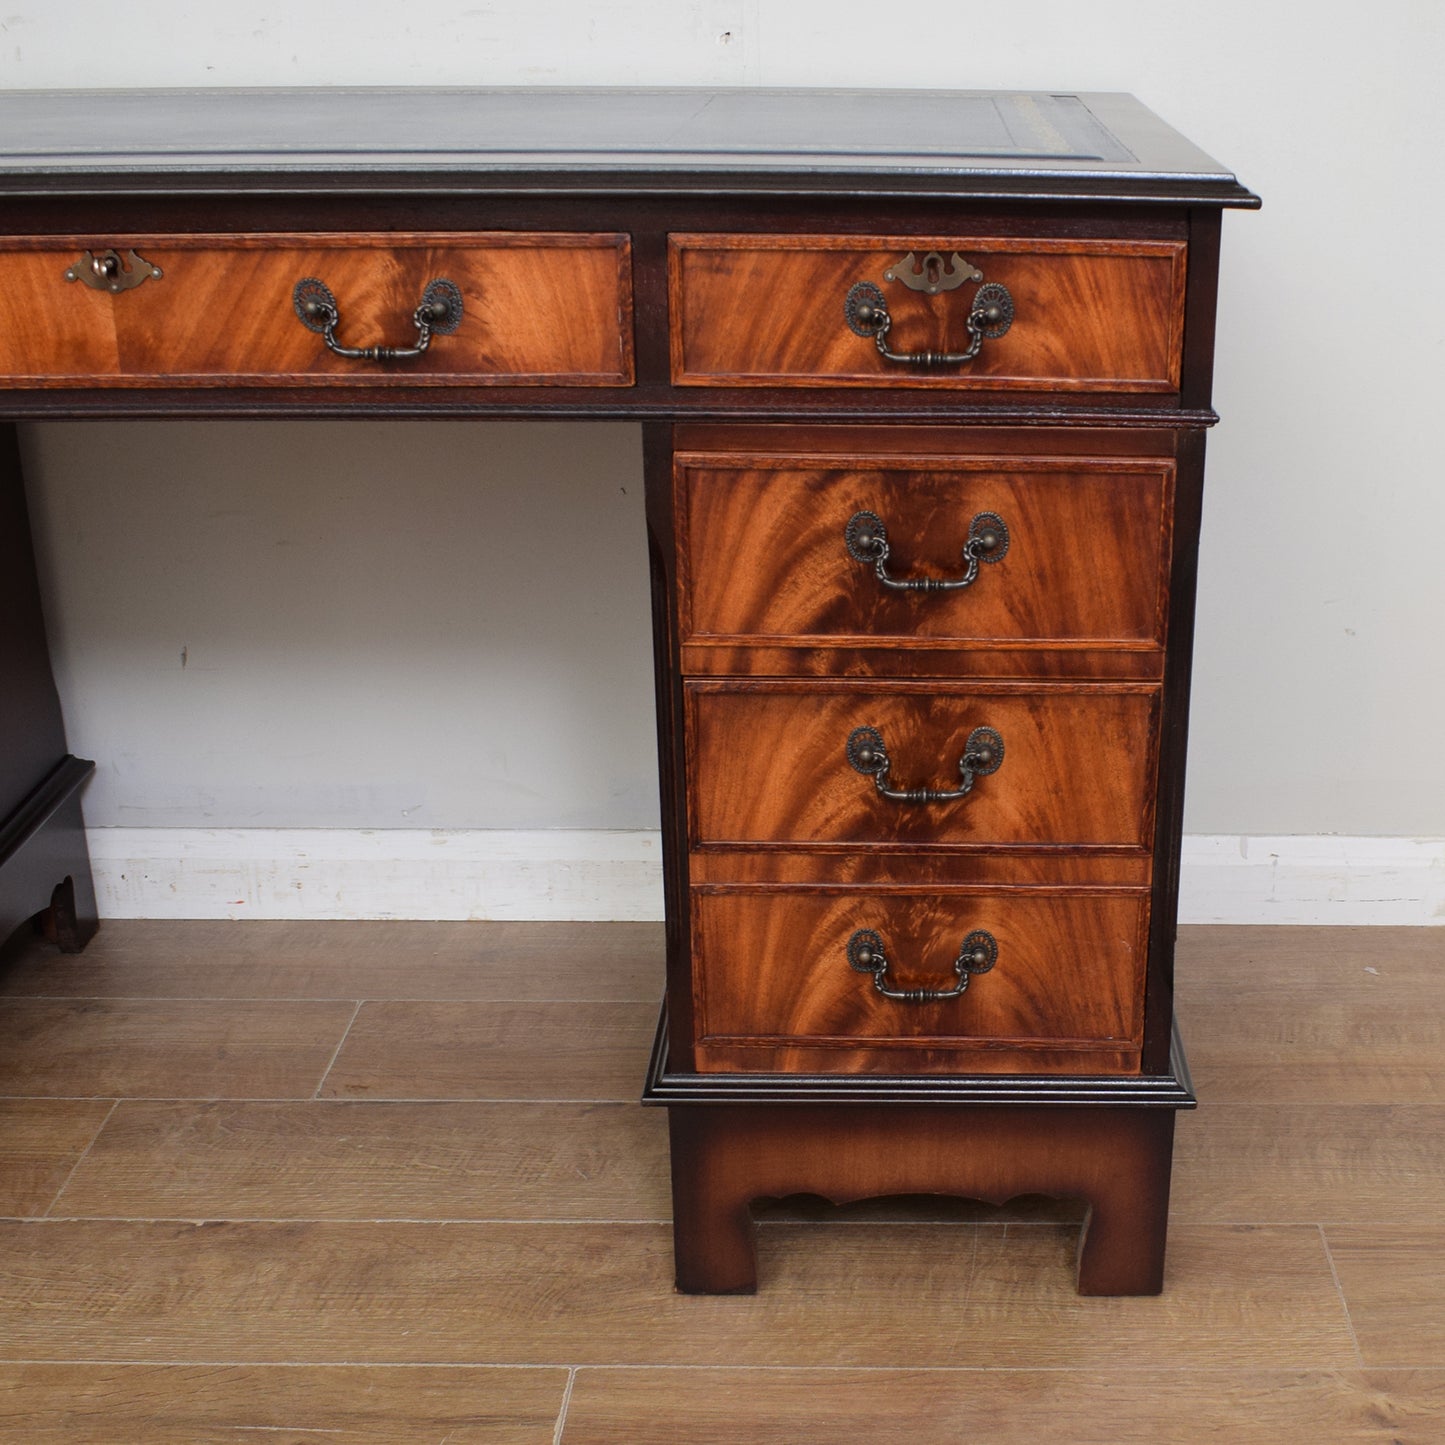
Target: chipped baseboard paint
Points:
x,y
477,873
337,873
1314,878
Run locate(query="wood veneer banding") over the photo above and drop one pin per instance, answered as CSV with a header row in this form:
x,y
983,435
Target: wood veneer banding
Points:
x,y
539,309
753,310
768,764
773,974
766,564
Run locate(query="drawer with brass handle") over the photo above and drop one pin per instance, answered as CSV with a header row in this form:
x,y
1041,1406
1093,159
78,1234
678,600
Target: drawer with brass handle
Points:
x,y
911,980
967,312
475,309
849,765
969,554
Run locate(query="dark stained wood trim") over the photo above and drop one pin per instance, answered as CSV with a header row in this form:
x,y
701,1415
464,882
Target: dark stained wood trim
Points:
x,y
657,450
44,863
1170,1088
1200,304
1173,749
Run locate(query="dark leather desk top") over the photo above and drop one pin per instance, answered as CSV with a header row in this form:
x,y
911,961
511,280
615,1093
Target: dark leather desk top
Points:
x,y
959,143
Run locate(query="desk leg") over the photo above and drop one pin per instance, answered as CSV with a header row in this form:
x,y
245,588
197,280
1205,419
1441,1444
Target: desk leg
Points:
x,y
1115,1159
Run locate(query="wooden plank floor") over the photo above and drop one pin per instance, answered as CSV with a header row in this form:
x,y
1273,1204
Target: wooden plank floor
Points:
x,y
390,1183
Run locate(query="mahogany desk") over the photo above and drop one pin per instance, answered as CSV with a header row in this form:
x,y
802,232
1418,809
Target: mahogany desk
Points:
x,y
923,380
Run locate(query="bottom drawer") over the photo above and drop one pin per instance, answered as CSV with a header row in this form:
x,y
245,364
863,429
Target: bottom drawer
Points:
x,y
1056,985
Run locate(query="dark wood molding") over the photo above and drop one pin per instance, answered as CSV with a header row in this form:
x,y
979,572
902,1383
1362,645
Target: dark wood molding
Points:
x,y
1172,1089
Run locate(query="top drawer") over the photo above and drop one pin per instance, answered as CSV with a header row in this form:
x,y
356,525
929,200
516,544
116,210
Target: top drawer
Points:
x,y
1098,316
535,309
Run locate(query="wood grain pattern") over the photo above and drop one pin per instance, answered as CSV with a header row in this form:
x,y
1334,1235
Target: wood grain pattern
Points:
x,y
99,1404
951,660
943,869
1329,1015
538,308
284,959
581,1051
1326,1162
1394,1279
1116,1160
765,559
751,310
338,1160
1013,1407
1250,1336
768,764
772,970
41,1141
875,1295
175,1049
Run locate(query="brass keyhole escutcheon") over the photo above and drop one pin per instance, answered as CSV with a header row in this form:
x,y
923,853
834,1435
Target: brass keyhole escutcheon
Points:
x,y
111,271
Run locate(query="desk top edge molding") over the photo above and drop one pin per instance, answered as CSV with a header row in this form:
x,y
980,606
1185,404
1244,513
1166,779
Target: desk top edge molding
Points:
x,y
965,144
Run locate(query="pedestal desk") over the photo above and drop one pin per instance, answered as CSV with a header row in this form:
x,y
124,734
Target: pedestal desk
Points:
x,y
924,380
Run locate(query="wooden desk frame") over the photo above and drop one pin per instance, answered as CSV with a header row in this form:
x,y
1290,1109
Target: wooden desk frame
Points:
x,y
184,166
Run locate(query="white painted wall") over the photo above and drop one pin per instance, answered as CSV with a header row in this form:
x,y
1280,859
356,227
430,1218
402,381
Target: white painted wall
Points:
x,y
350,664
350,625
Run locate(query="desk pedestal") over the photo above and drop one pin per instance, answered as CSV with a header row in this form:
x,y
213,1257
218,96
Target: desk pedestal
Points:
x,y
735,1139
44,866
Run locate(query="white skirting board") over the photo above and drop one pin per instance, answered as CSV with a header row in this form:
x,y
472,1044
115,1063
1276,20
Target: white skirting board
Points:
x,y
384,873
411,873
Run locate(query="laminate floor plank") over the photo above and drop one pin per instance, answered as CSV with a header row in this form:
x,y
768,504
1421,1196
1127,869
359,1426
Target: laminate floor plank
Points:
x,y
1393,1280
1308,1015
428,1247
137,958
226,1404
1309,1163
121,1048
579,1051
1219,957
876,1295
1004,1407
340,1160
41,1141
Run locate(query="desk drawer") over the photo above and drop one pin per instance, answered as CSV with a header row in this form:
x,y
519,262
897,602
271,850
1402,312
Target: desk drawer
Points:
x,y
775,973
1104,316
774,553
778,764
535,309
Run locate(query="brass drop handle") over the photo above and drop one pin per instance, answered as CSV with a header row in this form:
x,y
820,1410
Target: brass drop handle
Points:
x,y
989,315
868,754
866,538
868,954
439,313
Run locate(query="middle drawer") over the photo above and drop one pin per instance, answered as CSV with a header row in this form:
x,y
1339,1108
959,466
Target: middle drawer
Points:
x,y
833,764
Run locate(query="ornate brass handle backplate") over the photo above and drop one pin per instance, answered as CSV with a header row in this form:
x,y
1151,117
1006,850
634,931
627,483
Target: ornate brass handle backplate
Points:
x,y
989,316
868,754
867,953
866,538
439,313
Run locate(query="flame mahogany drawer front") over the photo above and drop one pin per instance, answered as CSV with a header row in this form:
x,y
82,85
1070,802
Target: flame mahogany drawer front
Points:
x,y
783,553
1063,314
1020,767
1054,980
544,309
